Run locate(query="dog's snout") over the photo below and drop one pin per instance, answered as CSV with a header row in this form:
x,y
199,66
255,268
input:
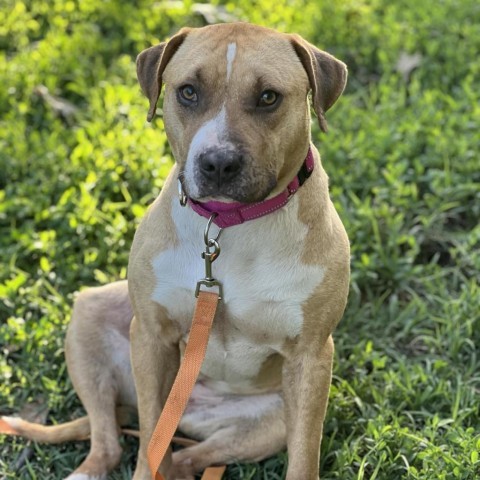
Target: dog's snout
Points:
x,y
220,166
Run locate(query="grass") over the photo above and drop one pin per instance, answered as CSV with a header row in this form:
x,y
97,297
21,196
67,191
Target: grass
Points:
x,y
403,158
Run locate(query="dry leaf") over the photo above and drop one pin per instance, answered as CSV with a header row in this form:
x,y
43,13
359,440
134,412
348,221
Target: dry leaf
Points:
x,y
407,63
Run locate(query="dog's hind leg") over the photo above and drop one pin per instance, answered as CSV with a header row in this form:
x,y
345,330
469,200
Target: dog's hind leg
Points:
x,y
97,352
239,428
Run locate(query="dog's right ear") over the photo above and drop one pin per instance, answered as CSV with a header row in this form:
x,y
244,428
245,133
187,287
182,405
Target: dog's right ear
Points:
x,y
150,66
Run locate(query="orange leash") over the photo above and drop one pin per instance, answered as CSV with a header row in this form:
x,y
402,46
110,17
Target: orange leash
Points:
x,y
214,473
179,394
183,386
188,372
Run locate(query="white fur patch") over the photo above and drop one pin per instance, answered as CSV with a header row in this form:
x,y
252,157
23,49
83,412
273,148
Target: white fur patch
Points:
x,y
265,286
14,422
231,52
84,476
11,420
210,134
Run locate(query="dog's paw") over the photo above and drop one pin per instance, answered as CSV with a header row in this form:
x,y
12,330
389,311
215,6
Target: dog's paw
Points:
x,y
180,476
85,476
181,469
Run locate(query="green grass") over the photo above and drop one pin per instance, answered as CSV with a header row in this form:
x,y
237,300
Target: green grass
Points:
x,y
403,158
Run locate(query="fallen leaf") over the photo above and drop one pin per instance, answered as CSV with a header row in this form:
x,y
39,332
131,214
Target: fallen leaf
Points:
x,y
407,63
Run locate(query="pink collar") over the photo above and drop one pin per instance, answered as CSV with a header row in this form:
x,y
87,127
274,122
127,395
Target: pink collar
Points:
x,y
230,214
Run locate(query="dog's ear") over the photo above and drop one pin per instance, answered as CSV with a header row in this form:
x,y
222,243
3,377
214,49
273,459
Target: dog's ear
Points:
x,y
150,66
327,76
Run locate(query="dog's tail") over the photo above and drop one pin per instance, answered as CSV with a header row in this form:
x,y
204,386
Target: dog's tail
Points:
x,y
78,429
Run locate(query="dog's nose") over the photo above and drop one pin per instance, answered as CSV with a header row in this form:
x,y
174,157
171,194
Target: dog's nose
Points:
x,y
220,166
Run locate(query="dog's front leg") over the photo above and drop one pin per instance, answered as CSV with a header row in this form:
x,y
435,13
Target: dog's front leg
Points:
x,y
307,375
155,361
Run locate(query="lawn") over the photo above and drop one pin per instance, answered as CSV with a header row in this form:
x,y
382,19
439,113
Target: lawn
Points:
x,y
79,166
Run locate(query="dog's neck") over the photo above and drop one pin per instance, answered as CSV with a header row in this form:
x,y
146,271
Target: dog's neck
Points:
x,y
235,213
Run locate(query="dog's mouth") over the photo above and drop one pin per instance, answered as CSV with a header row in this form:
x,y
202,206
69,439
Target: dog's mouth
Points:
x,y
248,184
242,190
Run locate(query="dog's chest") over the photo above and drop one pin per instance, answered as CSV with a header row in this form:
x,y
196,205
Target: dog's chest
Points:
x,y
265,285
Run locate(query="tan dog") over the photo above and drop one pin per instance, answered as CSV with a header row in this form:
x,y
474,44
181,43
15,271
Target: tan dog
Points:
x,y
237,117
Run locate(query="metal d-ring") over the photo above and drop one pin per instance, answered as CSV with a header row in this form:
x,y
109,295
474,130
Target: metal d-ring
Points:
x,y
182,196
209,241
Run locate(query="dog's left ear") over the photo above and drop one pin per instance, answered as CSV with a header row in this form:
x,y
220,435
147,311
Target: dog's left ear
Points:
x,y
150,66
327,76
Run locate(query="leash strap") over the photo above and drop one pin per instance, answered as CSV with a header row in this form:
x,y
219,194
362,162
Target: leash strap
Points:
x,y
182,388
187,374
214,473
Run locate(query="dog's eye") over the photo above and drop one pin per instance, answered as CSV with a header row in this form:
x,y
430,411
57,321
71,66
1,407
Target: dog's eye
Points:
x,y
268,98
188,94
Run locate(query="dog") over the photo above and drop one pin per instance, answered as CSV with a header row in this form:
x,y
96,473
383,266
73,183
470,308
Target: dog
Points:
x,y
237,117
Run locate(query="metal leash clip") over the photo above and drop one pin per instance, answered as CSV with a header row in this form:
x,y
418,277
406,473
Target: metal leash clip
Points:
x,y
210,256
182,196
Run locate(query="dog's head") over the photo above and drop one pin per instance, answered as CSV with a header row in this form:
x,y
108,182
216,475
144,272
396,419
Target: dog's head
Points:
x,y
236,106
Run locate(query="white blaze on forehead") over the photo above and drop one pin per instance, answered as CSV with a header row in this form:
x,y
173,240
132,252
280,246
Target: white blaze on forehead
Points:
x,y
231,51
210,134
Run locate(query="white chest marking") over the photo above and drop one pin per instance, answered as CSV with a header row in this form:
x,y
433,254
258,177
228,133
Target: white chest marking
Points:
x,y
265,285
231,52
